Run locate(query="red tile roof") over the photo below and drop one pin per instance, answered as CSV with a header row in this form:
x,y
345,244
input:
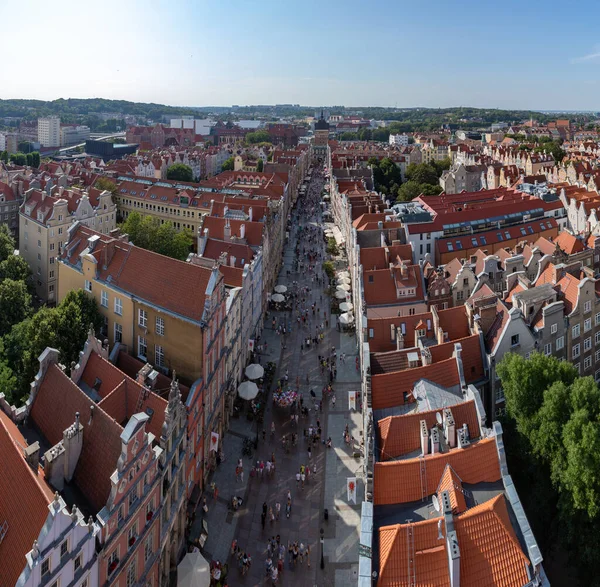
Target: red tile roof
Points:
x,y
568,243
381,257
568,286
24,500
388,389
216,229
380,286
400,435
400,481
167,283
452,483
53,411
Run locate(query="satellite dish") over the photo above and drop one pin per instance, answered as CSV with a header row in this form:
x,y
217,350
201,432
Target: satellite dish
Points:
x,y
436,502
438,417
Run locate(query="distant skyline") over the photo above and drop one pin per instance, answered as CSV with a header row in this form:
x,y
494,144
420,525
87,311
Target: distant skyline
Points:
x,y
509,55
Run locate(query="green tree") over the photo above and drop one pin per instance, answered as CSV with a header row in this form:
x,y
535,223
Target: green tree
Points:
x,y
329,268
258,136
260,165
4,156
332,247
228,164
15,304
422,173
7,243
180,172
16,268
19,159
105,184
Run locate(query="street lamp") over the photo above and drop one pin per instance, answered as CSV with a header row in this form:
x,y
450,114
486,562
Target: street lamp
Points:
x,y
322,557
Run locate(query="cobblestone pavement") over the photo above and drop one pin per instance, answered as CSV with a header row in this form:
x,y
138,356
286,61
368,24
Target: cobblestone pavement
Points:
x,y
326,489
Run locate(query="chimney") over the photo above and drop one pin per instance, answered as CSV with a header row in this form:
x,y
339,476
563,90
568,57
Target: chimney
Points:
x,y
380,225
232,260
487,315
426,356
227,231
435,440
449,428
399,339
73,443
243,231
462,436
424,438
225,210
32,456
403,270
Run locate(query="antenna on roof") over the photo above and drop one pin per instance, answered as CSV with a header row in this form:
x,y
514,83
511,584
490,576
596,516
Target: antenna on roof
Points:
x,y
438,417
436,502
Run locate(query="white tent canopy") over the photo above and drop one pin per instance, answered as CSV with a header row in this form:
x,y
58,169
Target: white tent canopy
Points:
x,y
343,274
346,318
343,287
254,371
193,571
340,295
343,280
346,306
248,390
280,289
277,298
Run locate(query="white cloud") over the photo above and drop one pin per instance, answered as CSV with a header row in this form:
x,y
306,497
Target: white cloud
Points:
x,y
588,57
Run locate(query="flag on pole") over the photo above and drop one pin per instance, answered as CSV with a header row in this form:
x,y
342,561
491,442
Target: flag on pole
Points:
x,y
251,345
214,441
352,400
351,487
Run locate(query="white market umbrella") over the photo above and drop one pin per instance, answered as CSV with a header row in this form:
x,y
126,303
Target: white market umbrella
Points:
x,y
346,318
343,274
248,390
254,371
346,306
343,281
193,571
277,298
280,289
343,287
340,295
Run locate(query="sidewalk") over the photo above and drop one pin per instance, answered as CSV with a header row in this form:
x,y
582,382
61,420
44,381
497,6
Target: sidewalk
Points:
x,y
327,489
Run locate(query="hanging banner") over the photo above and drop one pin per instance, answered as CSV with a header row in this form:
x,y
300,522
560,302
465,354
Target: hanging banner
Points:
x,y
352,400
351,487
251,345
214,441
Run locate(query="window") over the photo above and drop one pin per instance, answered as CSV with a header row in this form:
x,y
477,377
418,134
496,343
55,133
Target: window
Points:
x,y
159,356
148,548
39,243
118,333
578,367
46,568
560,342
459,296
77,563
575,330
576,351
51,246
587,344
64,549
598,319
118,307
370,279
548,349
131,574
84,583
120,513
160,326
597,338
587,362
499,395
371,334
587,325
60,231
450,247
587,307
113,561
554,329
143,318
104,299
514,340
88,285
133,495
142,347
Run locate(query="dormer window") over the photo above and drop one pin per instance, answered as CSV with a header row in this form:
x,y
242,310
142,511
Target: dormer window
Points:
x,y
40,216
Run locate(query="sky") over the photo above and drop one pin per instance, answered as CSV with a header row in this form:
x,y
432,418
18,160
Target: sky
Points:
x,y
432,53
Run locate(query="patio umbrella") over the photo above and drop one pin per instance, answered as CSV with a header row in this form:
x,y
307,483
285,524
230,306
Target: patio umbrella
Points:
x,y
346,306
343,274
343,280
346,318
248,390
193,571
343,287
277,298
280,289
340,295
254,371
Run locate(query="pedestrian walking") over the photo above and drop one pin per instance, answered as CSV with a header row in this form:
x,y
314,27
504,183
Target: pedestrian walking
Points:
x,y
277,510
309,452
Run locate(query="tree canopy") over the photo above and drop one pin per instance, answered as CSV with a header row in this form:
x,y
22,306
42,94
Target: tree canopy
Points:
x,y
180,172
553,416
106,184
228,164
258,136
386,175
149,233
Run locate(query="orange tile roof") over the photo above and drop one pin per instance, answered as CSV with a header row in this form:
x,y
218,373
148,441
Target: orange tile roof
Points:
x,y
568,243
430,561
24,501
471,356
388,390
376,257
400,435
400,481
569,288
53,411
452,483
490,553
381,341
